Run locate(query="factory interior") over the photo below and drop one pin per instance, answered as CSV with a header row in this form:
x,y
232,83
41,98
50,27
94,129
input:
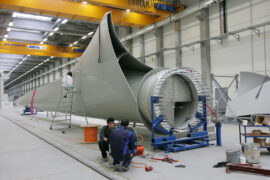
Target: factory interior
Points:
x,y
134,89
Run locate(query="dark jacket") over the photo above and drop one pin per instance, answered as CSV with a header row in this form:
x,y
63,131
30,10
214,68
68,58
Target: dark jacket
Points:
x,y
122,143
104,132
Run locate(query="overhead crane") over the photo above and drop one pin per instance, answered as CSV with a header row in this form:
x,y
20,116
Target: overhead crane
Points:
x,y
75,10
10,47
138,17
126,4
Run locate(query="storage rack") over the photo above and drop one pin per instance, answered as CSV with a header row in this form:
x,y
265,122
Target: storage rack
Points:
x,y
249,135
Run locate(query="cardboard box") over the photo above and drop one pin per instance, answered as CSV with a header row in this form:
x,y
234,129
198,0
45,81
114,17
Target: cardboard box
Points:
x,y
266,120
259,119
261,141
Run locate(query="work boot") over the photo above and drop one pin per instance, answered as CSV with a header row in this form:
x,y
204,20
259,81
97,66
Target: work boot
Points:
x,y
110,160
116,167
124,168
105,159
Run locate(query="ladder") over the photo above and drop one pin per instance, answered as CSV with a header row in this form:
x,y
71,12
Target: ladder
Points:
x,y
65,105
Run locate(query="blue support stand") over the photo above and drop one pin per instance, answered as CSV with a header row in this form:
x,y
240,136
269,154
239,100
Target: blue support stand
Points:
x,y
27,111
195,139
218,133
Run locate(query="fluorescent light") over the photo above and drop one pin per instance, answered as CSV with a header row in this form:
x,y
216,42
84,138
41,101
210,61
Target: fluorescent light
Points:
x,y
10,23
31,16
20,62
45,39
56,29
25,30
70,45
84,37
64,21
14,14
4,39
28,55
128,10
51,34
52,56
84,2
6,36
41,42
89,34
8,29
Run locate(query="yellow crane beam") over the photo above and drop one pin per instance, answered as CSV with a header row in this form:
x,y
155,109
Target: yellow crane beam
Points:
x,y
124,4
75,10
10,47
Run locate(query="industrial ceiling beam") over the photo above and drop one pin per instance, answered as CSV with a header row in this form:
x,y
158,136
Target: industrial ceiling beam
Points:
x,y
124,4
10,47
75,10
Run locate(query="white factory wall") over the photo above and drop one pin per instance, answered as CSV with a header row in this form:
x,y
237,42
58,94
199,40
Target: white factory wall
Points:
x,y
190,32
251,53
169,42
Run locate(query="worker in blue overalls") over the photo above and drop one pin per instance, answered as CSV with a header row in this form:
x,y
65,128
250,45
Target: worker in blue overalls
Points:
x,y
123,144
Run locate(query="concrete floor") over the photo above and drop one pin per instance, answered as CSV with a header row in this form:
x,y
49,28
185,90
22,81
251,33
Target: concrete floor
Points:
x,y
27,157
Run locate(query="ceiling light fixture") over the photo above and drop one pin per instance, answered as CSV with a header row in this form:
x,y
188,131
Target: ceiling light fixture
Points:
x,y
84,37
45,39
128,10
51,34
64,21
10,23
8,29
75,42
84,2
6,36
4,39
89,34
56,29
41,42
31,16
14,14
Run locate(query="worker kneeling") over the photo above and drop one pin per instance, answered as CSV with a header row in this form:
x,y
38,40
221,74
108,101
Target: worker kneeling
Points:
x,y
123,146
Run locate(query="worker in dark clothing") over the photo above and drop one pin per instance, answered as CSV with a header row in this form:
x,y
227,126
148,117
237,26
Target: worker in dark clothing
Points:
x,y
123,147
104,135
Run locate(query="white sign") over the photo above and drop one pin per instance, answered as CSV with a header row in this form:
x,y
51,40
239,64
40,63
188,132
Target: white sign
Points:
x,y
37,47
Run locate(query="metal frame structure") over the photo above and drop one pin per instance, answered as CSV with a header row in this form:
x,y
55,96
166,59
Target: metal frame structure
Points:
x,y
170,143
251,136
224,96
218,38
